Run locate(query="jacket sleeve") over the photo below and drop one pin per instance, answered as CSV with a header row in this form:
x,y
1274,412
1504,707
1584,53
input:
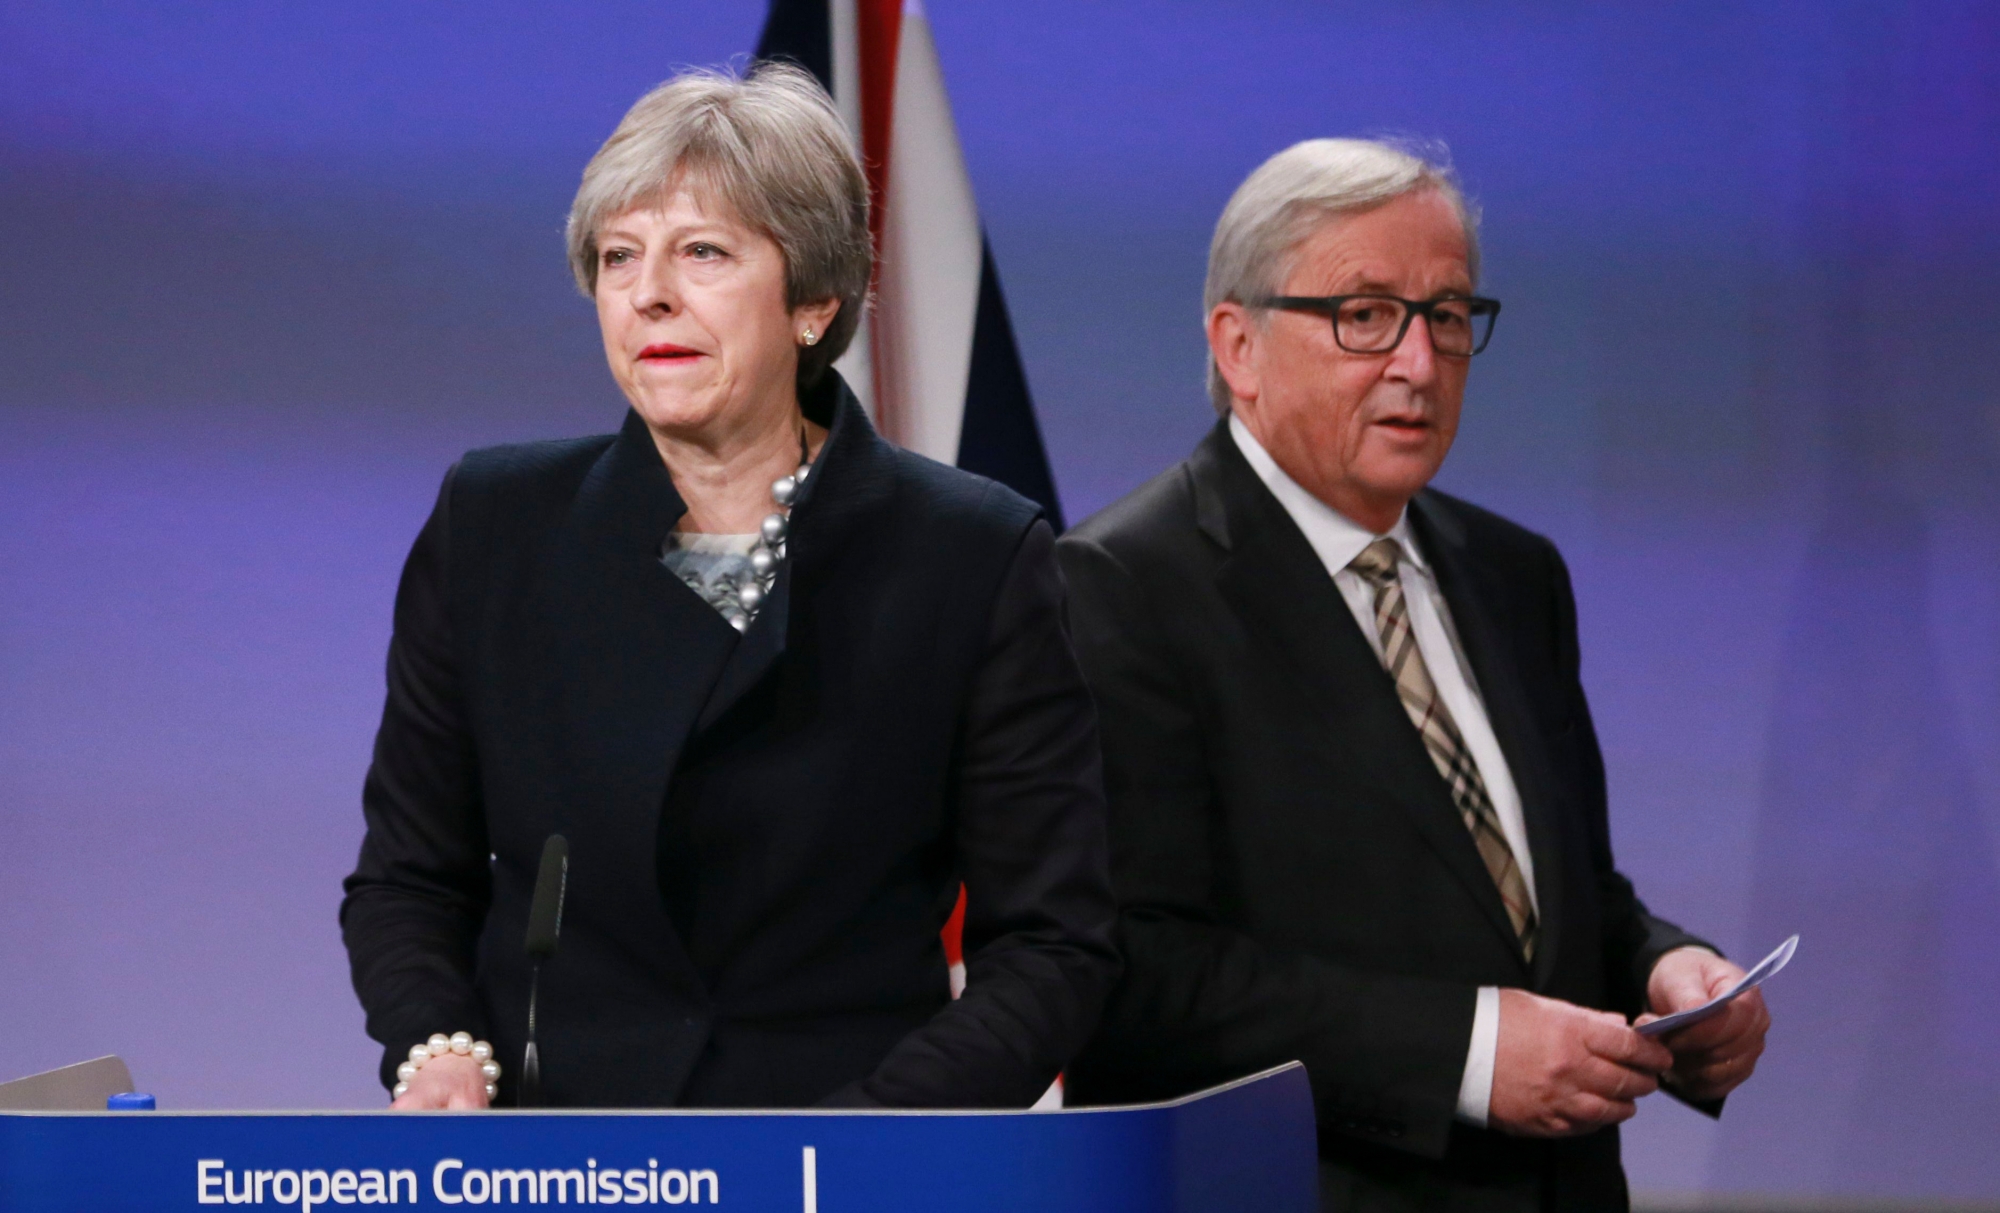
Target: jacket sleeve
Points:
x,y
1030,838
419,893
1202,1002
1634,937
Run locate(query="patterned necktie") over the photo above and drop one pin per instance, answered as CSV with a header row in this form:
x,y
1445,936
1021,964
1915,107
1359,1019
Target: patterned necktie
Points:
x,y
1400,656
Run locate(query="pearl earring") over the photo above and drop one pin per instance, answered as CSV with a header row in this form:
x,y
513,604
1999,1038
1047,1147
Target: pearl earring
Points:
x,y
809,337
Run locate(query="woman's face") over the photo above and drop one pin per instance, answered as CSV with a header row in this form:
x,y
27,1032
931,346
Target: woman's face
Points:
x,y
692,305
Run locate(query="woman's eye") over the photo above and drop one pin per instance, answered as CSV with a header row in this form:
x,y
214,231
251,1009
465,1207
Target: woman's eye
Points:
x,y
703,251
617,256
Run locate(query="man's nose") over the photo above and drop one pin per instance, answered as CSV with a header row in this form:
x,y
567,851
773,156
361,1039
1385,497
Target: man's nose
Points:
x,y
1415,359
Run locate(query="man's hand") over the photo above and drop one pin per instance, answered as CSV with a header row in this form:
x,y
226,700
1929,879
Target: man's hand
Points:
x,y
1561,1069
1713,1057
451,1083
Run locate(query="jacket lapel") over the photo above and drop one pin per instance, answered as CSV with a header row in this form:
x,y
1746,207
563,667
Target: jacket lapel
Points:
x,y
1465,592
1292,609
636,654
648,648
821,519
644,663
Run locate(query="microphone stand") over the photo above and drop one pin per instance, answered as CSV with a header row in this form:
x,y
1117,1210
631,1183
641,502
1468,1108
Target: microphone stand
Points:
x,y
530,1093
544,928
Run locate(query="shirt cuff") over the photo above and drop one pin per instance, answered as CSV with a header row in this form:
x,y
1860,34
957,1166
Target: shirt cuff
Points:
x,y
1475,1090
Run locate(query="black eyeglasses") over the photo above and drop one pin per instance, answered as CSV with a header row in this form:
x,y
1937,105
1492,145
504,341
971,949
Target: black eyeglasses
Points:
x,y
1375,324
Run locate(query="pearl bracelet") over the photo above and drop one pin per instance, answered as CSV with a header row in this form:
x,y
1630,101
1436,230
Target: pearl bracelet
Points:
x,y
438,1045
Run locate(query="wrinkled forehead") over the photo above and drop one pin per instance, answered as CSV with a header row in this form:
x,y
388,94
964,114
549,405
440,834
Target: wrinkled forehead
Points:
x,y
1413,241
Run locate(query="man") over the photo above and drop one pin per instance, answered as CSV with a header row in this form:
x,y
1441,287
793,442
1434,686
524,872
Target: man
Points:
x,y
1358,809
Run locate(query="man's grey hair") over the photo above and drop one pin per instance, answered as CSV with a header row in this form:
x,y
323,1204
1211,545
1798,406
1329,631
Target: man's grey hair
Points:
x,y
768,146
1290,195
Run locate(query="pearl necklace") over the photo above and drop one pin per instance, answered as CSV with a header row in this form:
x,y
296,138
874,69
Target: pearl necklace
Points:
x,y
741,598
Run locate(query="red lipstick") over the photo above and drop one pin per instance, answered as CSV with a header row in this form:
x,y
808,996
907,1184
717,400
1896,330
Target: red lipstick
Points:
x,y
666,350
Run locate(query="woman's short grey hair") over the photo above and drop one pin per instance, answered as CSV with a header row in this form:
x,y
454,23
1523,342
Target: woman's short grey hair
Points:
x,y
1291,194
769,146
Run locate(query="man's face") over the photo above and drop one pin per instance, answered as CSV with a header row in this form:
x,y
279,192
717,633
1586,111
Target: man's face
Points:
x,y
1362,432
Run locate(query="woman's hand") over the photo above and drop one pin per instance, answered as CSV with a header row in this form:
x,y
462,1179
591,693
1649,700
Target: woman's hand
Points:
x,y
449,1083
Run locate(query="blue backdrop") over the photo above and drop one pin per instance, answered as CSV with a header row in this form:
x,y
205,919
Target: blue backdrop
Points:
x,y
268,269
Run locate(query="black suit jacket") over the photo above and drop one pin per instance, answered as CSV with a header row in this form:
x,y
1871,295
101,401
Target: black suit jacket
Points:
x,y
766,832
1293,879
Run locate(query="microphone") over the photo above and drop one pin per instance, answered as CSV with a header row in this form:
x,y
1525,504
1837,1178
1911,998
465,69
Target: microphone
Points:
x,y
544,926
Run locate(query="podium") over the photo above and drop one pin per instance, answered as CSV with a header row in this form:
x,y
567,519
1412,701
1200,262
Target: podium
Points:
x,y
1246,1145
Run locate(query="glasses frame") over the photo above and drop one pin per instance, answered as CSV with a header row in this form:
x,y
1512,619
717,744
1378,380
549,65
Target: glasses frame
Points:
x,y
1329,306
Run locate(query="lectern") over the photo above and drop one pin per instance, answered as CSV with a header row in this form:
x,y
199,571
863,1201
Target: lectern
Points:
x,y
1247,1145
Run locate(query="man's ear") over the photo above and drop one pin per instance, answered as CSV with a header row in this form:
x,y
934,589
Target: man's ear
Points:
x,y
1232,338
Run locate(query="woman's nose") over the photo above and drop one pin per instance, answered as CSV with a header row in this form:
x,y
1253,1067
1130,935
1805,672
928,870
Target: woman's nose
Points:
x,y
656,290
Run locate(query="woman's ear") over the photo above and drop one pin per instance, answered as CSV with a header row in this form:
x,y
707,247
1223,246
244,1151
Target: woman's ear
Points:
x,y
815,318
1232,338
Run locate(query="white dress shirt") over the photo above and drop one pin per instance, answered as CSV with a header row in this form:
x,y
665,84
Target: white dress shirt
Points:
x,y
1338,540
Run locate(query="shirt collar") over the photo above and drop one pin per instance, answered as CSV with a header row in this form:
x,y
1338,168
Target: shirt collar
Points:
x,y
1335,537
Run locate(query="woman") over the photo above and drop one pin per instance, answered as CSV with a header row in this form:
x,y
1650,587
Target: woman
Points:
x,y
781,685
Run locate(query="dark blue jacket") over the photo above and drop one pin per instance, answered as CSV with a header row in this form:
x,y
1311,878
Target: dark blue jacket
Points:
x,y
766,831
